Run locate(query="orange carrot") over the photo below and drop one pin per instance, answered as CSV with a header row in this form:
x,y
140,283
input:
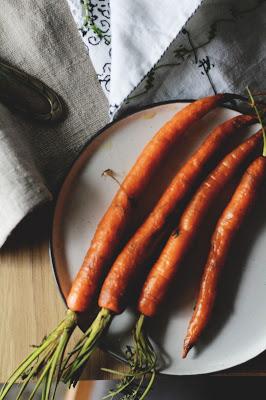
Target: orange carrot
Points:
x,y
46,359
114,292
143,361
140,246
226,229
177,246
111,229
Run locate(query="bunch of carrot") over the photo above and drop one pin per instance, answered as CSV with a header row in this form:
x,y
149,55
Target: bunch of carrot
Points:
x,y
112,271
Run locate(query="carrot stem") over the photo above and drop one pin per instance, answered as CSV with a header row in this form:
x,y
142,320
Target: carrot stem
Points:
x,y
42,377
142,362
258,113
44,361
85,347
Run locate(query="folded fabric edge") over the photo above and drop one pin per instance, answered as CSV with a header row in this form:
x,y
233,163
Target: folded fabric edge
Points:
x,y
114,108
11,220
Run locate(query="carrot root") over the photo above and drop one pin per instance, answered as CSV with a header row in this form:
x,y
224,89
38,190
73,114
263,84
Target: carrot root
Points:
x,y
158,223
186,348
165,268
113,226
226,228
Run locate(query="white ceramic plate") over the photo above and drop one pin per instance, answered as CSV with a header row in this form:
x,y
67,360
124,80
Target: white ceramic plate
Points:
x,y
237,331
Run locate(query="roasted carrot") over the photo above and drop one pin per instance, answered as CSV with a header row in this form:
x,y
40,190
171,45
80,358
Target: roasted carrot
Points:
x,y
143,360
140,246
164,270
46,360
112,227
142,357
226,229
114,292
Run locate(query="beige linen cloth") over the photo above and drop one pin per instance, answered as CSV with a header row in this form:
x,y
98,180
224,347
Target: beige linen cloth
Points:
x,y
41,38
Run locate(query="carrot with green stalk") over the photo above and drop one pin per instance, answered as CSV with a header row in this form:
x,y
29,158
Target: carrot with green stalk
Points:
x,y
45,362
114,293
112,228
226,229
143,360
242,201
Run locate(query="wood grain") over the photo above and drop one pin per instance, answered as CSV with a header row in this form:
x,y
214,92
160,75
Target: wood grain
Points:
x,y
32,306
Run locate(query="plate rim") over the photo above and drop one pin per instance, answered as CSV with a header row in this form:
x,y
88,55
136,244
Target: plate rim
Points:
x,y
121,117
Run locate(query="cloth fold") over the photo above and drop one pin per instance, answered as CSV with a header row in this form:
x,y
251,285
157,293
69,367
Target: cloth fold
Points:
x,y
34,156
141,33
24,188
175,50
142,52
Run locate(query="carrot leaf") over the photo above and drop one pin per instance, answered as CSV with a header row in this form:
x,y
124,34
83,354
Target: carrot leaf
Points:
x,y
45,361
88,19
142,360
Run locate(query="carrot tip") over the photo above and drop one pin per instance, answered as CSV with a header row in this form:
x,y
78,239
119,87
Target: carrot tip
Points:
x,y
187,347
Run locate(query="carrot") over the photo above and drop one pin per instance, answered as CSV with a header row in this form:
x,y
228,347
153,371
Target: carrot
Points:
x,y
46,360
226,229
143,361
111,229
164,270
115,288
140,246
142,358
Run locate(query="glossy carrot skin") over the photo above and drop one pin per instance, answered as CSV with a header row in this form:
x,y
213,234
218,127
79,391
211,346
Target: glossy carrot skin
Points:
x,y
112,228
227,227
164,270
123,272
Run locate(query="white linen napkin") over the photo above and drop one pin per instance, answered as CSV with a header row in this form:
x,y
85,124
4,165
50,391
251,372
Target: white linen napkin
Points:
x,y
126,38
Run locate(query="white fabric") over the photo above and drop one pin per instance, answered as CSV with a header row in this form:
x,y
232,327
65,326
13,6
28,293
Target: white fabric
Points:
x,y
152,60
141,32
99,45
132,40
229,41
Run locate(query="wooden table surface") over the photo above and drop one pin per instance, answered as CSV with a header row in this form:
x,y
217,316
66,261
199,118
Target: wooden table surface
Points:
x,y
32,306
